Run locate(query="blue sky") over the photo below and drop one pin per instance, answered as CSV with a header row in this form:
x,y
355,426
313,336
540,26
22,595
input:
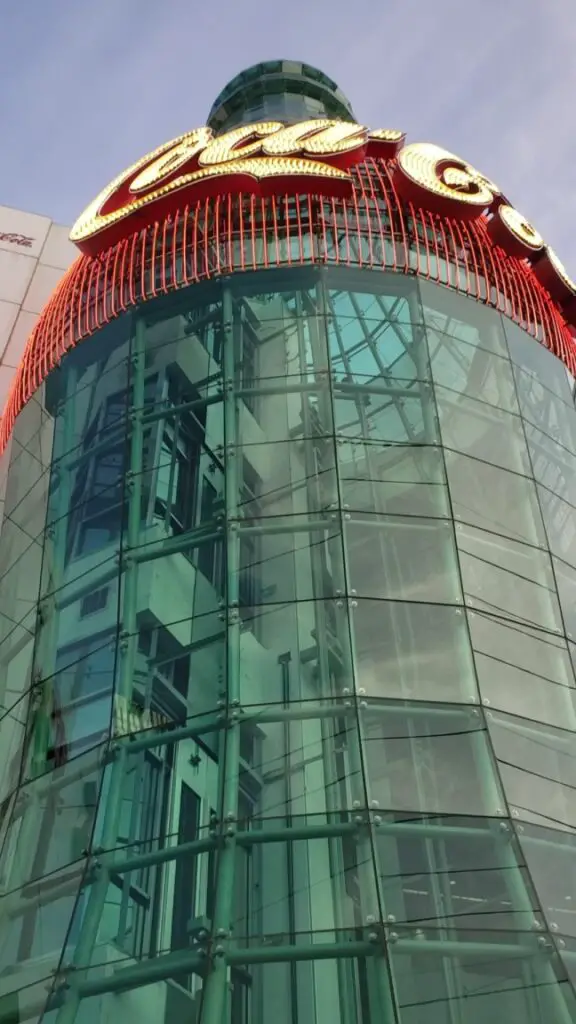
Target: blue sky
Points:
x,y
93,86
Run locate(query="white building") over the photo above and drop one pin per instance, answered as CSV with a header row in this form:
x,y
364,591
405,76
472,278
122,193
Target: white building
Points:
x,y
34,253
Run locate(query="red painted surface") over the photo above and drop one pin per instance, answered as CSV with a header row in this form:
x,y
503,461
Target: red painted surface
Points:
x,y
225,233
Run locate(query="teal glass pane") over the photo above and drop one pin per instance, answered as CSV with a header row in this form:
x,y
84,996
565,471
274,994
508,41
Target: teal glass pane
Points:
x,y
285,477
294,652
482,431
87,394
493,499
50,825
381,348
12,738
402,557
554,465
451,743
284,409
537,767
505,578
395,479
523,670
454,872
470,370
551,414
489,979
290,558
374,327
537,362
560,523
462,318
566,583
396,412
549,854
412,651
288,763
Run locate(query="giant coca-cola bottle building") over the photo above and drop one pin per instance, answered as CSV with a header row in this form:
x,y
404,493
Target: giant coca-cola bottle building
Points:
x,y
288,593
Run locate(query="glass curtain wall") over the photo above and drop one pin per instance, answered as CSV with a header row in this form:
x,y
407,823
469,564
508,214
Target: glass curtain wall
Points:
x,y
287,664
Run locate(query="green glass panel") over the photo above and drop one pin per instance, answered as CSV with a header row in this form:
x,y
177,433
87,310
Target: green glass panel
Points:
x,y
560,523
395,479
533,358
463,318
471,370
493,499
523,670
402,557
503,577
538,769
396,412
430,759
413,651
482,431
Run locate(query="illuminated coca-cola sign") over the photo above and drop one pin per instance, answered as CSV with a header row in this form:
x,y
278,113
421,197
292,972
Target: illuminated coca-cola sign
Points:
x,y
260,158
312,156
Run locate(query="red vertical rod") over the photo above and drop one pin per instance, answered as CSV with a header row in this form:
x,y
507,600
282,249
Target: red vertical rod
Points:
x,y
346,231
217,233
241,219
288,238
253,230
469,248
264,222
143,243
462,246
335,232
164,260
114,285
400,214
195,215
152,290
174,271
378,217
358,229
299,222
476,239
276,235
206,239
95,295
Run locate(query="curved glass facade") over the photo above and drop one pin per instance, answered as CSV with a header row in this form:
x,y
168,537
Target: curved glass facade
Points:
x,y
287,616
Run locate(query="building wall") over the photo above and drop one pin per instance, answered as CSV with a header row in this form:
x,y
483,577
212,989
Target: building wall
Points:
x,y
34,253
321,521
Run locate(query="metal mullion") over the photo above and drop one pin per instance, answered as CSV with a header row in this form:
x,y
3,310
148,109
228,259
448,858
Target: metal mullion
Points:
x,y
374,389
378,983
169,964
128,650
327,726
14,904
174,545
215,990
166,412
126,880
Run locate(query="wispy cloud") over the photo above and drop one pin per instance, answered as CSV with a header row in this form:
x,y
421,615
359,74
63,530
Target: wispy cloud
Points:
x,y
95,86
